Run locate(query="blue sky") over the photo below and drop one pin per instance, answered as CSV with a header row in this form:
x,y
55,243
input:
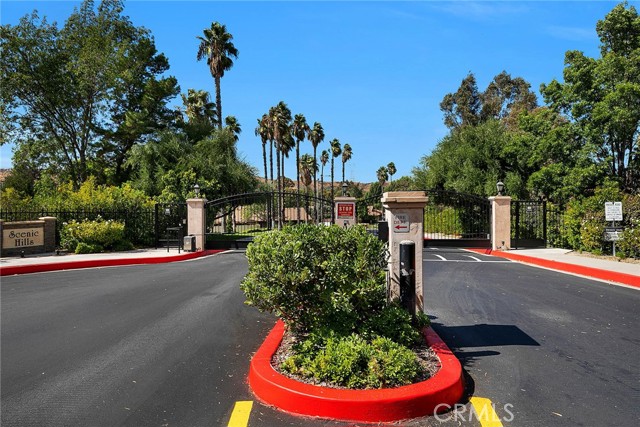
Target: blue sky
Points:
x,y
373,73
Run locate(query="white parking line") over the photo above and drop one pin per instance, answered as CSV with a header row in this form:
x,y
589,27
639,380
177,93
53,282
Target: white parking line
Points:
x,y
441,257
472,257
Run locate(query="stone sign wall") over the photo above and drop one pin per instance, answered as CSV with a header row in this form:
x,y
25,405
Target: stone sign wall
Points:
x,y
28,237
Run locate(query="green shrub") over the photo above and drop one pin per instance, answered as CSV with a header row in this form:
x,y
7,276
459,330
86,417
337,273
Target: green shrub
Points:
x,y
94,236
354,362
328,285
317,277
584,223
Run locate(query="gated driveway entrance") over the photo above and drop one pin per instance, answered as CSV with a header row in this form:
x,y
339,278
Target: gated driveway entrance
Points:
x,y
450,218
232,222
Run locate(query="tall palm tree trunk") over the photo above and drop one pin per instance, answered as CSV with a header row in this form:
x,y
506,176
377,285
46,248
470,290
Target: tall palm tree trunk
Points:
x,y
333,200
264,159
218,102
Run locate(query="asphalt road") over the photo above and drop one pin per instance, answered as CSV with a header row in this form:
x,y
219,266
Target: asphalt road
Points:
x,y
548,349
169,345
162,345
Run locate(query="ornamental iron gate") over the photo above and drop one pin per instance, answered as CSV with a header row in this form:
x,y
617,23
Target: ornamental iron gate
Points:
x,y
528,224
536,224
457,219
232,222
450,218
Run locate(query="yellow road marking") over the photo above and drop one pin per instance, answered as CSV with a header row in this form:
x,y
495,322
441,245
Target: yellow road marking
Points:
x,y
485,412
240,414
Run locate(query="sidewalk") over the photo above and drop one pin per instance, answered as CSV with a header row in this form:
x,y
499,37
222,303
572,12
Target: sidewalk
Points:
x,y
572,262
52,262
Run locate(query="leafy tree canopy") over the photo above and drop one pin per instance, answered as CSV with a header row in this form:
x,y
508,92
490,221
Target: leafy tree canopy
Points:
x,y
82,95
602,95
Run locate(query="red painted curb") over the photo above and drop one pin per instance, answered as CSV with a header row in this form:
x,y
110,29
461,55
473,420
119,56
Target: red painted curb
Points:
x,y
438,393
612,276
71,265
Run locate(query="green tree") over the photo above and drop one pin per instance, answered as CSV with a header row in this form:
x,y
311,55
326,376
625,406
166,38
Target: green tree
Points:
x,y
391,168
336,150
217,47
347,152
300,130
308,168
470,107
316,136
383,176
602,95
84,94
263,130
324,159
200,114
233,125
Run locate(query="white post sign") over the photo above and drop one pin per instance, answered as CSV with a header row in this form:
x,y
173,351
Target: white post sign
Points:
x,y
613,211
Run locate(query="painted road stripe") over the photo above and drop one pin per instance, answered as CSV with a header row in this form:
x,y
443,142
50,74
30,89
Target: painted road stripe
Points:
x,y
472,257
485,412
440,256
240,414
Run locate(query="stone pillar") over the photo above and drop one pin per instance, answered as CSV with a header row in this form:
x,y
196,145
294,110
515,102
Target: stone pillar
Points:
x,y
49,233
500,222
345,211
197,221
405,217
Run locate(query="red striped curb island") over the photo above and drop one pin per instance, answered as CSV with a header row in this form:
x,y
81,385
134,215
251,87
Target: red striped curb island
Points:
x,y
611,276
93,263
438,393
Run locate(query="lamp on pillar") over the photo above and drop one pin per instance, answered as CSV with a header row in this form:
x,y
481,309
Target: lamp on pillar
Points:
x,y
500,186
344,188
196,189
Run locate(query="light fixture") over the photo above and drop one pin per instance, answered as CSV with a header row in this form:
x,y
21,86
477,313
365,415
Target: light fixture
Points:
x,y
344,188
500,186
196,189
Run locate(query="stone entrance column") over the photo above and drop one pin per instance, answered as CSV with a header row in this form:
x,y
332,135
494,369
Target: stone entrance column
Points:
x,y
500,222
405,217
196,221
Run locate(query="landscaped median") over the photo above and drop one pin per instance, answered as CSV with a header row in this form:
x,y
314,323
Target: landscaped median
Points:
x,y
97,262
439,392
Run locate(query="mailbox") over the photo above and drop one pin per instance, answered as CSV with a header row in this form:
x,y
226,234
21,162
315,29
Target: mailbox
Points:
x,y
189,243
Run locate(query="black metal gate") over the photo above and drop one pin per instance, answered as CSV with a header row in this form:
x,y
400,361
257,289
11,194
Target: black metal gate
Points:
x,y
232,222
457,220
528,224
170,224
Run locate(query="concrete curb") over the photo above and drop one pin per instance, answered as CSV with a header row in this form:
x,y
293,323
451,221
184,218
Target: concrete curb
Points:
x,y
438,393
71,265
611,276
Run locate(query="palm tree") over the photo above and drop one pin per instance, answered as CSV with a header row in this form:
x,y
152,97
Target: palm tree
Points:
x,y
382,176
300,130
263,131
198,108
308,167
233,125
217,48
391,168
316,136
324,158
335,152
346,156
279,118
